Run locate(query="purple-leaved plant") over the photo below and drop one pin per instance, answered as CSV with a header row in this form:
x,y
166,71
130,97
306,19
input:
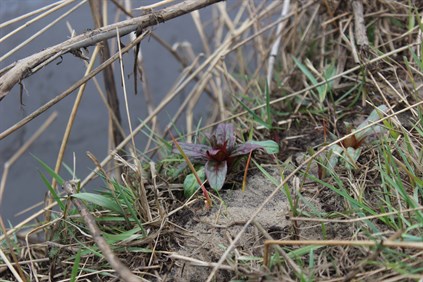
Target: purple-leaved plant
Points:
x,y
221,153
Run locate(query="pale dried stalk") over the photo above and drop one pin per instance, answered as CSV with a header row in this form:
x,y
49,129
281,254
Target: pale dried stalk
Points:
x,y
22,150
155,5
10,266
28,23
359,24
356,243
125,95
16,72
69,126
275,46
38,33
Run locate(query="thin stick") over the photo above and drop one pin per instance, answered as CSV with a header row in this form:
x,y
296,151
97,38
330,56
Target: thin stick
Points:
x,y
155,5
58,98
357,243
59,5
69,126
360,25
41,31
123,271
19,276
124,92
22,150
198,262
353,219
275,47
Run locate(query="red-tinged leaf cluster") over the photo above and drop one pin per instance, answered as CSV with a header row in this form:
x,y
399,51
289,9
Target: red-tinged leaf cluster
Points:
x,y
219,155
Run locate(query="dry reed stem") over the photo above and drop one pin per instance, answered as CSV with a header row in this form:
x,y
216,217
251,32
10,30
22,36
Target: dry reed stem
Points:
x,y
64,94
125,95
293,173
19,275
10,266
198,262
54,7
69,126
352,220
155,5
35,35
275,47
29,14
286,257
22,150
357,243
16,72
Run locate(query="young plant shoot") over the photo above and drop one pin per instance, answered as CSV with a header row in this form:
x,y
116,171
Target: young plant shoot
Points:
x,y
221,153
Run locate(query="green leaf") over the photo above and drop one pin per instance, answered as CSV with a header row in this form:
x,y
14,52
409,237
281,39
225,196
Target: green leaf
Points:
x,y
269,146
256,118
99,200
53,192
320,89
50,171
191,184
216,173
303,251
126,236
75,267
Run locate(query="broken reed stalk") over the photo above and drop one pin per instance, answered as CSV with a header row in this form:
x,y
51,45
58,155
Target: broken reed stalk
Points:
x,y
360,25
275,47
68,130
22,150
58,98
122,270
108,74
19,275
16,72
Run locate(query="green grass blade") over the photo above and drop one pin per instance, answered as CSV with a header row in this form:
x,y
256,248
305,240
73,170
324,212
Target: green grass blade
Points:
x,y
75,266
256,118
99,200
53,192
50,171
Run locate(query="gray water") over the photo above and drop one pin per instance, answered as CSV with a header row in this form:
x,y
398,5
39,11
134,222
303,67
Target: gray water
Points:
x,y
24,186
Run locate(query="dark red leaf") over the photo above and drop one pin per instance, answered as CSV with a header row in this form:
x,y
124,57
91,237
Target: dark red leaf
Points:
x,y
225,133
216,173
195,151
245,149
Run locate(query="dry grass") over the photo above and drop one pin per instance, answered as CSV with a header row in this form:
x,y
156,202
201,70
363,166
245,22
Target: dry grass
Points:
x,y
292,72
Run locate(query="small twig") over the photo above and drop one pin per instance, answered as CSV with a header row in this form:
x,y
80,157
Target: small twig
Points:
x,y
155,5
22,150
19,276
275,47
359,24
37,34
123,271
288,260
198,262
352,243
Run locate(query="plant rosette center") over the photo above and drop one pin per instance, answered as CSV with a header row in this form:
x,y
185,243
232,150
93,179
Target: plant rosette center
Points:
x,y
219,155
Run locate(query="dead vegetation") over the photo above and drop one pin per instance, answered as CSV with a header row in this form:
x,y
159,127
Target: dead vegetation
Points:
x,y
290,71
